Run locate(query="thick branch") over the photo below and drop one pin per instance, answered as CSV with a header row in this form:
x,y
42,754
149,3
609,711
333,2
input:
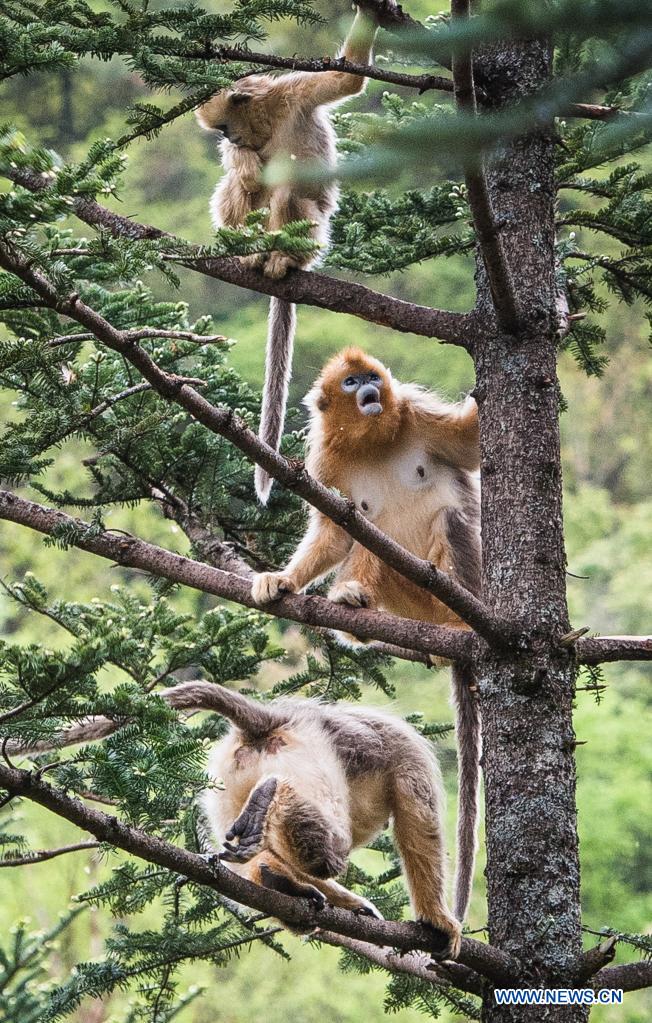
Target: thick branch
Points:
x,y
39,856
599,649
300,286
292,475
628,977
298,912
413,963
594,960
484,220
130,552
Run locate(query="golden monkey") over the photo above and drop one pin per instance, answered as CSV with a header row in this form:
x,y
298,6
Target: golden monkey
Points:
x,y
407,459
265,118
304,784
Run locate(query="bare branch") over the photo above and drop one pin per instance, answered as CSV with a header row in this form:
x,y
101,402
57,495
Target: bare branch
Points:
x,y
599,649
594,960
292,475
484,220
422,82
484,959
416,964
628,977
38,856
143,334
130,552
300,286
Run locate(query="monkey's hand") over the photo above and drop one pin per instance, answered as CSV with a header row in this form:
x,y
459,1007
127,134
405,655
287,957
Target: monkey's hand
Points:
x,y
246,835
448,933
269,586
278,264
350,592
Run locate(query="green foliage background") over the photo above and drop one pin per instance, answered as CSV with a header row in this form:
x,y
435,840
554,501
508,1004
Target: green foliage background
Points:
x,y
607,451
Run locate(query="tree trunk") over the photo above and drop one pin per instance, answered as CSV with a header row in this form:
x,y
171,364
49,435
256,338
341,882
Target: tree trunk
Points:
x,y
529,768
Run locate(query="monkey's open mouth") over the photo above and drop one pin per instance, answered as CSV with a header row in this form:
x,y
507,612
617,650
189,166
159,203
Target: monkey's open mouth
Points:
x,y
369,400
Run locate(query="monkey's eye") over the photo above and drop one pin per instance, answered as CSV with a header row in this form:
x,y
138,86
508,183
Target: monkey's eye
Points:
x,y
374,378
350,384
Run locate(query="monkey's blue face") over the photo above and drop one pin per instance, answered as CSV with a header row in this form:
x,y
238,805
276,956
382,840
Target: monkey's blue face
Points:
x,y
367,388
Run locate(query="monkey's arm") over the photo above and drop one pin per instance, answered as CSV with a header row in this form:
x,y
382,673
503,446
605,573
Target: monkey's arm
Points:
x,y
248,166
323,547
451,432
326,87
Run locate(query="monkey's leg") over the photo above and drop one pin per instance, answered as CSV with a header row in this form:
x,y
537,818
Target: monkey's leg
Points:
x,y
357,584
271,871
285,207
416,803
338,895
230,206
323,547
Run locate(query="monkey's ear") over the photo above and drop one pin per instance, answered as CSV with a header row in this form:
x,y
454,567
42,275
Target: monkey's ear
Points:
x,y
322,403
238,98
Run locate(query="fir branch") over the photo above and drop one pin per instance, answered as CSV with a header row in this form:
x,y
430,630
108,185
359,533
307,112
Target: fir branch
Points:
x,y
626,977
39,855
130,552
414,964
484,959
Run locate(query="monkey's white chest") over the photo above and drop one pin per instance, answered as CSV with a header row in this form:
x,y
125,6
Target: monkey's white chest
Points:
x,y
408,488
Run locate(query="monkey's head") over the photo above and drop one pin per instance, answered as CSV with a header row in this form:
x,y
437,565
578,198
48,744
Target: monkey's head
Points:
x,y
354,397
240,113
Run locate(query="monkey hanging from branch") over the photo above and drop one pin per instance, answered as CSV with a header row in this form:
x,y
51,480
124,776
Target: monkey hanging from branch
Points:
x,y
304,783
408,460
264,118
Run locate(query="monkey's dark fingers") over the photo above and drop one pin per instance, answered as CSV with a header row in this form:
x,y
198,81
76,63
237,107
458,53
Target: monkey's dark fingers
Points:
x,y
250,823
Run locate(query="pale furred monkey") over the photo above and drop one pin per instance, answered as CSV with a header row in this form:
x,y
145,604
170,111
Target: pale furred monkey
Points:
x,y
407,459
304,784
263,118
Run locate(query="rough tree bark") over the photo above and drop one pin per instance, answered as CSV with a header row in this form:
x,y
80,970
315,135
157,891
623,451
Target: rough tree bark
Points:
x,y
529,770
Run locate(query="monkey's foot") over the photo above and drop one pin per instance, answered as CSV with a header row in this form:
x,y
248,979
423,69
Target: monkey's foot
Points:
x,y
255,261
447,934
269,586
281,882
278,264
367,908
350,592
246,835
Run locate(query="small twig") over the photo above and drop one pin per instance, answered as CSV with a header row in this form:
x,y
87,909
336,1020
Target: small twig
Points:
x,y
38,856
571,638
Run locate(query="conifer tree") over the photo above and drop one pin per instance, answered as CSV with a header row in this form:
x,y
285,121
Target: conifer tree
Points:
x,y
514,136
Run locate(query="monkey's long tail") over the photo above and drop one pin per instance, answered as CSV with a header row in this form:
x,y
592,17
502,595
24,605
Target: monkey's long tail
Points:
x,y
256,719
469,747
281,326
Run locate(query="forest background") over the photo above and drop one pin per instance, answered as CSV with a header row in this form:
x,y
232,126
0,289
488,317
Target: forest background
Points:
x,y
607,454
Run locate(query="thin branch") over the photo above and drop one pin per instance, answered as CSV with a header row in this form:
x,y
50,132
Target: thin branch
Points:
x,y
628,977
130,552
143,334
422,82
484,219
300,286
291,474
39,856
485,959
415,964
599,649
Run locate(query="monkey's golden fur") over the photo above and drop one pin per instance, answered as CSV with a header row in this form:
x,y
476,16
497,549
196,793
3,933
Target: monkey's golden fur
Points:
x,y
285,117
410,470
